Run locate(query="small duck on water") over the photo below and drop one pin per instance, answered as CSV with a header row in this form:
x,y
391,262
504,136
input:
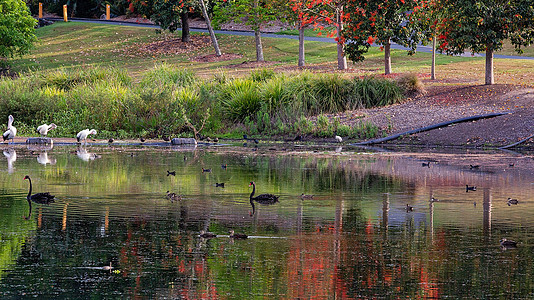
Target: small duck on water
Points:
x,y
409,208
470,188
234,235
512,201
508,243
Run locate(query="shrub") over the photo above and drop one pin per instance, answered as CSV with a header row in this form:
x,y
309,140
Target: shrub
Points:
x,y
411,85
240,99
374,92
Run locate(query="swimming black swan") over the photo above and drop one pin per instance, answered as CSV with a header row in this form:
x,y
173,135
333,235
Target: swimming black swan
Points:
x,y
41,198
508,243
263,198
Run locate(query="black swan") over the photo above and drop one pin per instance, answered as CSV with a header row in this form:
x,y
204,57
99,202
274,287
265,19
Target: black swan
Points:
x,y
234,235
41,198
263,198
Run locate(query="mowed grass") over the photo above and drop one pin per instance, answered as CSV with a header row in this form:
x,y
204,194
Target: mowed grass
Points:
x,y
75,44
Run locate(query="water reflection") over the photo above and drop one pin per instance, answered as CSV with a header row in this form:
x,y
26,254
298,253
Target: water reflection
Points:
x,y
353,239
43,159
11,156
84,155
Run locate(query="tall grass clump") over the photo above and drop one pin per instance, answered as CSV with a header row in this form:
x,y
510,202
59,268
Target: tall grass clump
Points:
x,y
67,79
373,92
259,75
411,85
167,76
331,93
240,98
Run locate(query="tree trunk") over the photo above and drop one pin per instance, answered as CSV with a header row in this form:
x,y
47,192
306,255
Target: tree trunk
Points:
x,y
301,45
489,65
210,28
433,68
341,59
259,48
387,57
184,17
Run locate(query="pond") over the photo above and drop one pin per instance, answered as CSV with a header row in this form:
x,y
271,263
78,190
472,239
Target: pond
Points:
x,y
355,238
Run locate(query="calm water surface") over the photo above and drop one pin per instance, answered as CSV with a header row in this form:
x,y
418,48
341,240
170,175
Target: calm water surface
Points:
x,y
354,239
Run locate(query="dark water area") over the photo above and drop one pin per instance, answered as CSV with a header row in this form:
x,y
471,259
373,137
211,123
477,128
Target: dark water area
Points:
x,y
354,239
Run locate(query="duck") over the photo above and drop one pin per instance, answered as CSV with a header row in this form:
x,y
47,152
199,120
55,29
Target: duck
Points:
x,y
474,167
207,235
142,140
470,188
11,131
206,170
338,139
512,201
173,197
41,198
508,243
425,164
219,184
434,199
511,164
306,197
224,166
234,235
82,135
409,208
43,129
263,198
173,173
111,140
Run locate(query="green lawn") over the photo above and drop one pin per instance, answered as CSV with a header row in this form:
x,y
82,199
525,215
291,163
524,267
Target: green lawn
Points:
x,y
74,44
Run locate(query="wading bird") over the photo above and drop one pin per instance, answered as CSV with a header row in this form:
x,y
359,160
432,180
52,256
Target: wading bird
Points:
x,y
82,135
43,129
11,131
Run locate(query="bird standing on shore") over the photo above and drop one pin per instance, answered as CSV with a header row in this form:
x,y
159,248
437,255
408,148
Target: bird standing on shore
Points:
x,y
11,131
338,139
82,135
43,129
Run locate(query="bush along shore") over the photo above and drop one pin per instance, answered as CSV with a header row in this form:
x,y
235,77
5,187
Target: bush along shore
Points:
x,y
172,102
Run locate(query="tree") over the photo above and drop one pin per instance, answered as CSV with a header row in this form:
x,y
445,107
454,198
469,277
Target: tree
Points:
x,y
380,22
484,25
313,12
167,14
427,17
17,28
250,12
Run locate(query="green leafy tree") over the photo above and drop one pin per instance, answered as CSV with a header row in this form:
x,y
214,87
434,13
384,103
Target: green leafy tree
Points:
x,y
169,14
484,25
17,29
254,13
380,22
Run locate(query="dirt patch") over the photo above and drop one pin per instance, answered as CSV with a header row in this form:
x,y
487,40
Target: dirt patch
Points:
x,y
174,46
215,58
447,103
252,64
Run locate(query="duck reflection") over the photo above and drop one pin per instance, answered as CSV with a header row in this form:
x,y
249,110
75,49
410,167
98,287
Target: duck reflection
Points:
x,y
11,156
43,159
82,153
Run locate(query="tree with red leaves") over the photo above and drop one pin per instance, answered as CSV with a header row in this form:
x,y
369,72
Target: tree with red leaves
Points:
x,y
381,22
315,12
426,18
484,25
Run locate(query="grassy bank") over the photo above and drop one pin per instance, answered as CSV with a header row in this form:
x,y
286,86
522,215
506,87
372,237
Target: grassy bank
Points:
x,y
172,101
